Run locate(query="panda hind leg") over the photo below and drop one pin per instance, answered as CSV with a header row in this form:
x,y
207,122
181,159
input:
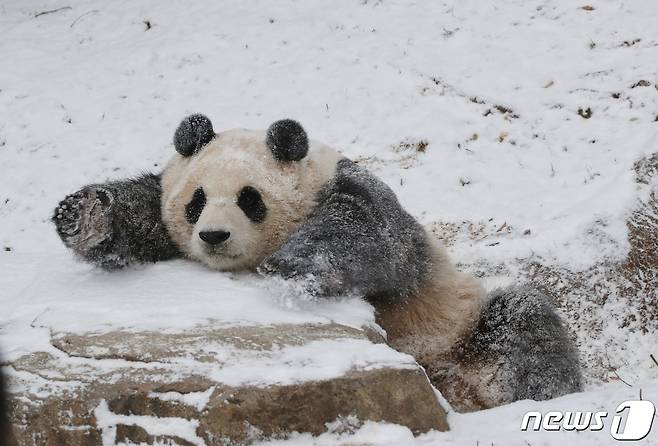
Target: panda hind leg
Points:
x,y
520,333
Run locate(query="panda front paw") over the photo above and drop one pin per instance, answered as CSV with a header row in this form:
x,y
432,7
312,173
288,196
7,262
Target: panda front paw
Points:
x,y
83,219
315,272
287,266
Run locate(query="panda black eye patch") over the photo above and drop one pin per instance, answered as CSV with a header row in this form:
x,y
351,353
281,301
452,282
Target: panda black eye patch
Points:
x,y
251,203
194,208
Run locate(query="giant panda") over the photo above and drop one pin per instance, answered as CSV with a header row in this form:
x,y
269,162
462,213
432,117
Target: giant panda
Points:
x,y
282,205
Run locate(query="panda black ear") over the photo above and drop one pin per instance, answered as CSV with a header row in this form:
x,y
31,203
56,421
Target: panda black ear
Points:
x,y
287,140
192,134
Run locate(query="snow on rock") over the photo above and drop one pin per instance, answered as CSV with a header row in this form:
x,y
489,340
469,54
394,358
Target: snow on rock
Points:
x,y
46,293
126,403
174,351
179,428
212,386
198,400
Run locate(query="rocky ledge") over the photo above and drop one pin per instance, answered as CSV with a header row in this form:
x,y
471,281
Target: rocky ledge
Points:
x,y
213,386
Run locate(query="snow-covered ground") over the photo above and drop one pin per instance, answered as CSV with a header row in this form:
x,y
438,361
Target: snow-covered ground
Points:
x,y
521,115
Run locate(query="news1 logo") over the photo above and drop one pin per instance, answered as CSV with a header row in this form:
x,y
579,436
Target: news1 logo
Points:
x,y
632,423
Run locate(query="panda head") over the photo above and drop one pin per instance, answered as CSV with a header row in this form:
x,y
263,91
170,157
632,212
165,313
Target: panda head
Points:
x,y
230,199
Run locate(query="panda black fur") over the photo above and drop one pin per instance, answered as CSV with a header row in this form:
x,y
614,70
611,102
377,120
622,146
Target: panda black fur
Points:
x,y
284,205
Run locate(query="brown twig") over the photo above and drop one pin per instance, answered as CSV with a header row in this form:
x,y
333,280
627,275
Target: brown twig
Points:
x,y
620,378
653,358
614,370
81,16
39,14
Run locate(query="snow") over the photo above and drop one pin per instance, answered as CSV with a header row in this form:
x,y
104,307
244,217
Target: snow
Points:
x,y
89,93
46,296
59,296
179,427
170,296
125,89
198,400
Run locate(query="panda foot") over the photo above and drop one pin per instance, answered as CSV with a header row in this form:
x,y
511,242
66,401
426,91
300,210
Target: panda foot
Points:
x,y
83,219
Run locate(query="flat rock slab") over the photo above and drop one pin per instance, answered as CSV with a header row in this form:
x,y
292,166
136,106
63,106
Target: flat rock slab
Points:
x,y
214,386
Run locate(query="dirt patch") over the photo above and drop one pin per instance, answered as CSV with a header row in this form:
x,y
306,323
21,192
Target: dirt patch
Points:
x,y
609,306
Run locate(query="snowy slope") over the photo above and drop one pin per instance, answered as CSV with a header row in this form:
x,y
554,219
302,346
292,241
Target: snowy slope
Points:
x,y
528,115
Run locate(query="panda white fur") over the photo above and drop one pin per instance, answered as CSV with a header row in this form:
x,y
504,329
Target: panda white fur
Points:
x,y
277,203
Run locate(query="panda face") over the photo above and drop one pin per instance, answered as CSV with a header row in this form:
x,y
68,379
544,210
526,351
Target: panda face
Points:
x,y
233,203
227,218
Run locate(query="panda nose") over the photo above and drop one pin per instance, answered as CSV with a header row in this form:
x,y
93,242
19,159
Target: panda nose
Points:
x,y
214,237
